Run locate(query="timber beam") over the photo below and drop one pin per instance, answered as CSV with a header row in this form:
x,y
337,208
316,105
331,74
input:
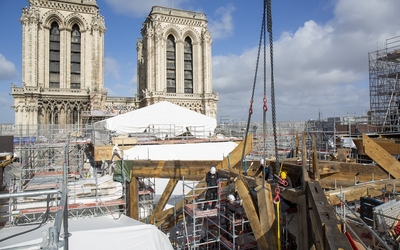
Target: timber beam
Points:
x,y
190,170
381,156
252,215
373,189
166,218
325,224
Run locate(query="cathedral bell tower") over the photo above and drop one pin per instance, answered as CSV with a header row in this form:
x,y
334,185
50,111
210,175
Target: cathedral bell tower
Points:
x,y
174,61
62,62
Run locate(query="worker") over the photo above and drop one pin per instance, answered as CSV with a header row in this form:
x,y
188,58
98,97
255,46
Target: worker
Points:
x,y
285,177
89,152
87,171
266,170
292,206
115,152
230,211
212,188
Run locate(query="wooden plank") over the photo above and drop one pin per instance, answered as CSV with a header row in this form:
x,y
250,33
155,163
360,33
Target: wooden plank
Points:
x,y
105,152
134,198
324,221
392,146
380,156
328,168
191,170
164,198
266,212
124,140
354,193
304,161
302,229
235,157
297,145
167,215
315,159
291,194
251,213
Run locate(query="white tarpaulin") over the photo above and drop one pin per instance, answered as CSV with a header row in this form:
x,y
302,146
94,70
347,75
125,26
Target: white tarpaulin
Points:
x,y
184,152
163,118
100,233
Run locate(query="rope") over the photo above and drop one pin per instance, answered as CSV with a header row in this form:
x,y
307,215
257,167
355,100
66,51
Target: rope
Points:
x,y
277,202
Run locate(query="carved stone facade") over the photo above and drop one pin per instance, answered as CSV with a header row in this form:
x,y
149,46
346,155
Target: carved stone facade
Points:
x,y
62,62
174,61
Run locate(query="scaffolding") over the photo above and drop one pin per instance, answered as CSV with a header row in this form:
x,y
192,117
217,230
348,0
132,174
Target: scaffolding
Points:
x,y
45,157
213,228
146,197
201,228
384,69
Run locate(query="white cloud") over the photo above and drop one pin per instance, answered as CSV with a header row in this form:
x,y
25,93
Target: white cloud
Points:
x,y
222,27
7,69
111,67
319,67
140,8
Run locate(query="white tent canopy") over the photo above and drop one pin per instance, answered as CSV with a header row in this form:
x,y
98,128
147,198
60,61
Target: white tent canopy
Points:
x,y
163,118
184,152
95,233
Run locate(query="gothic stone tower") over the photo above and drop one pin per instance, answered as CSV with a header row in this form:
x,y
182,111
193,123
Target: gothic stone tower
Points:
x,y
174,60
62,62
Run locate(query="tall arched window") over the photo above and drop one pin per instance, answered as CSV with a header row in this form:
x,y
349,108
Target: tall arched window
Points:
x,y
75,57
74,116
171,65
54,63
188,58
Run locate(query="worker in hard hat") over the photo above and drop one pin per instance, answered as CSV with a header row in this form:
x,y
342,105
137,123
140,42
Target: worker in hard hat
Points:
x,y
115,152
89,152
212,188
87,170
285,177
230,212
292,206
266,170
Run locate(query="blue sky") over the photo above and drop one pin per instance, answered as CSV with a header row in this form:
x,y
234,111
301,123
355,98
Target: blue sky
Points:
x,y
320,52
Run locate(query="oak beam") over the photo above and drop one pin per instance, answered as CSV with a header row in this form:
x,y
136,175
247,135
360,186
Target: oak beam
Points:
x,y
164,198
266,212
302,222
133,198
372,189
315,159
325,224
251,214
304,161
191,170
381,156
231,160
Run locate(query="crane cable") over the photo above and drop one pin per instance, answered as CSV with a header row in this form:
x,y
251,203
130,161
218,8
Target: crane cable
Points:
x,y
271,51
268,9
262,33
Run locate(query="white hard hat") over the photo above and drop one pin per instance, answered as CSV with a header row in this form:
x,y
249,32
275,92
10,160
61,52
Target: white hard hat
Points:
x,y
262,161
213,170
231,197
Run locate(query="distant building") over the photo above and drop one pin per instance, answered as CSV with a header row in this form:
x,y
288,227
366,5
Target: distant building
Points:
x,y
63,64
174,61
